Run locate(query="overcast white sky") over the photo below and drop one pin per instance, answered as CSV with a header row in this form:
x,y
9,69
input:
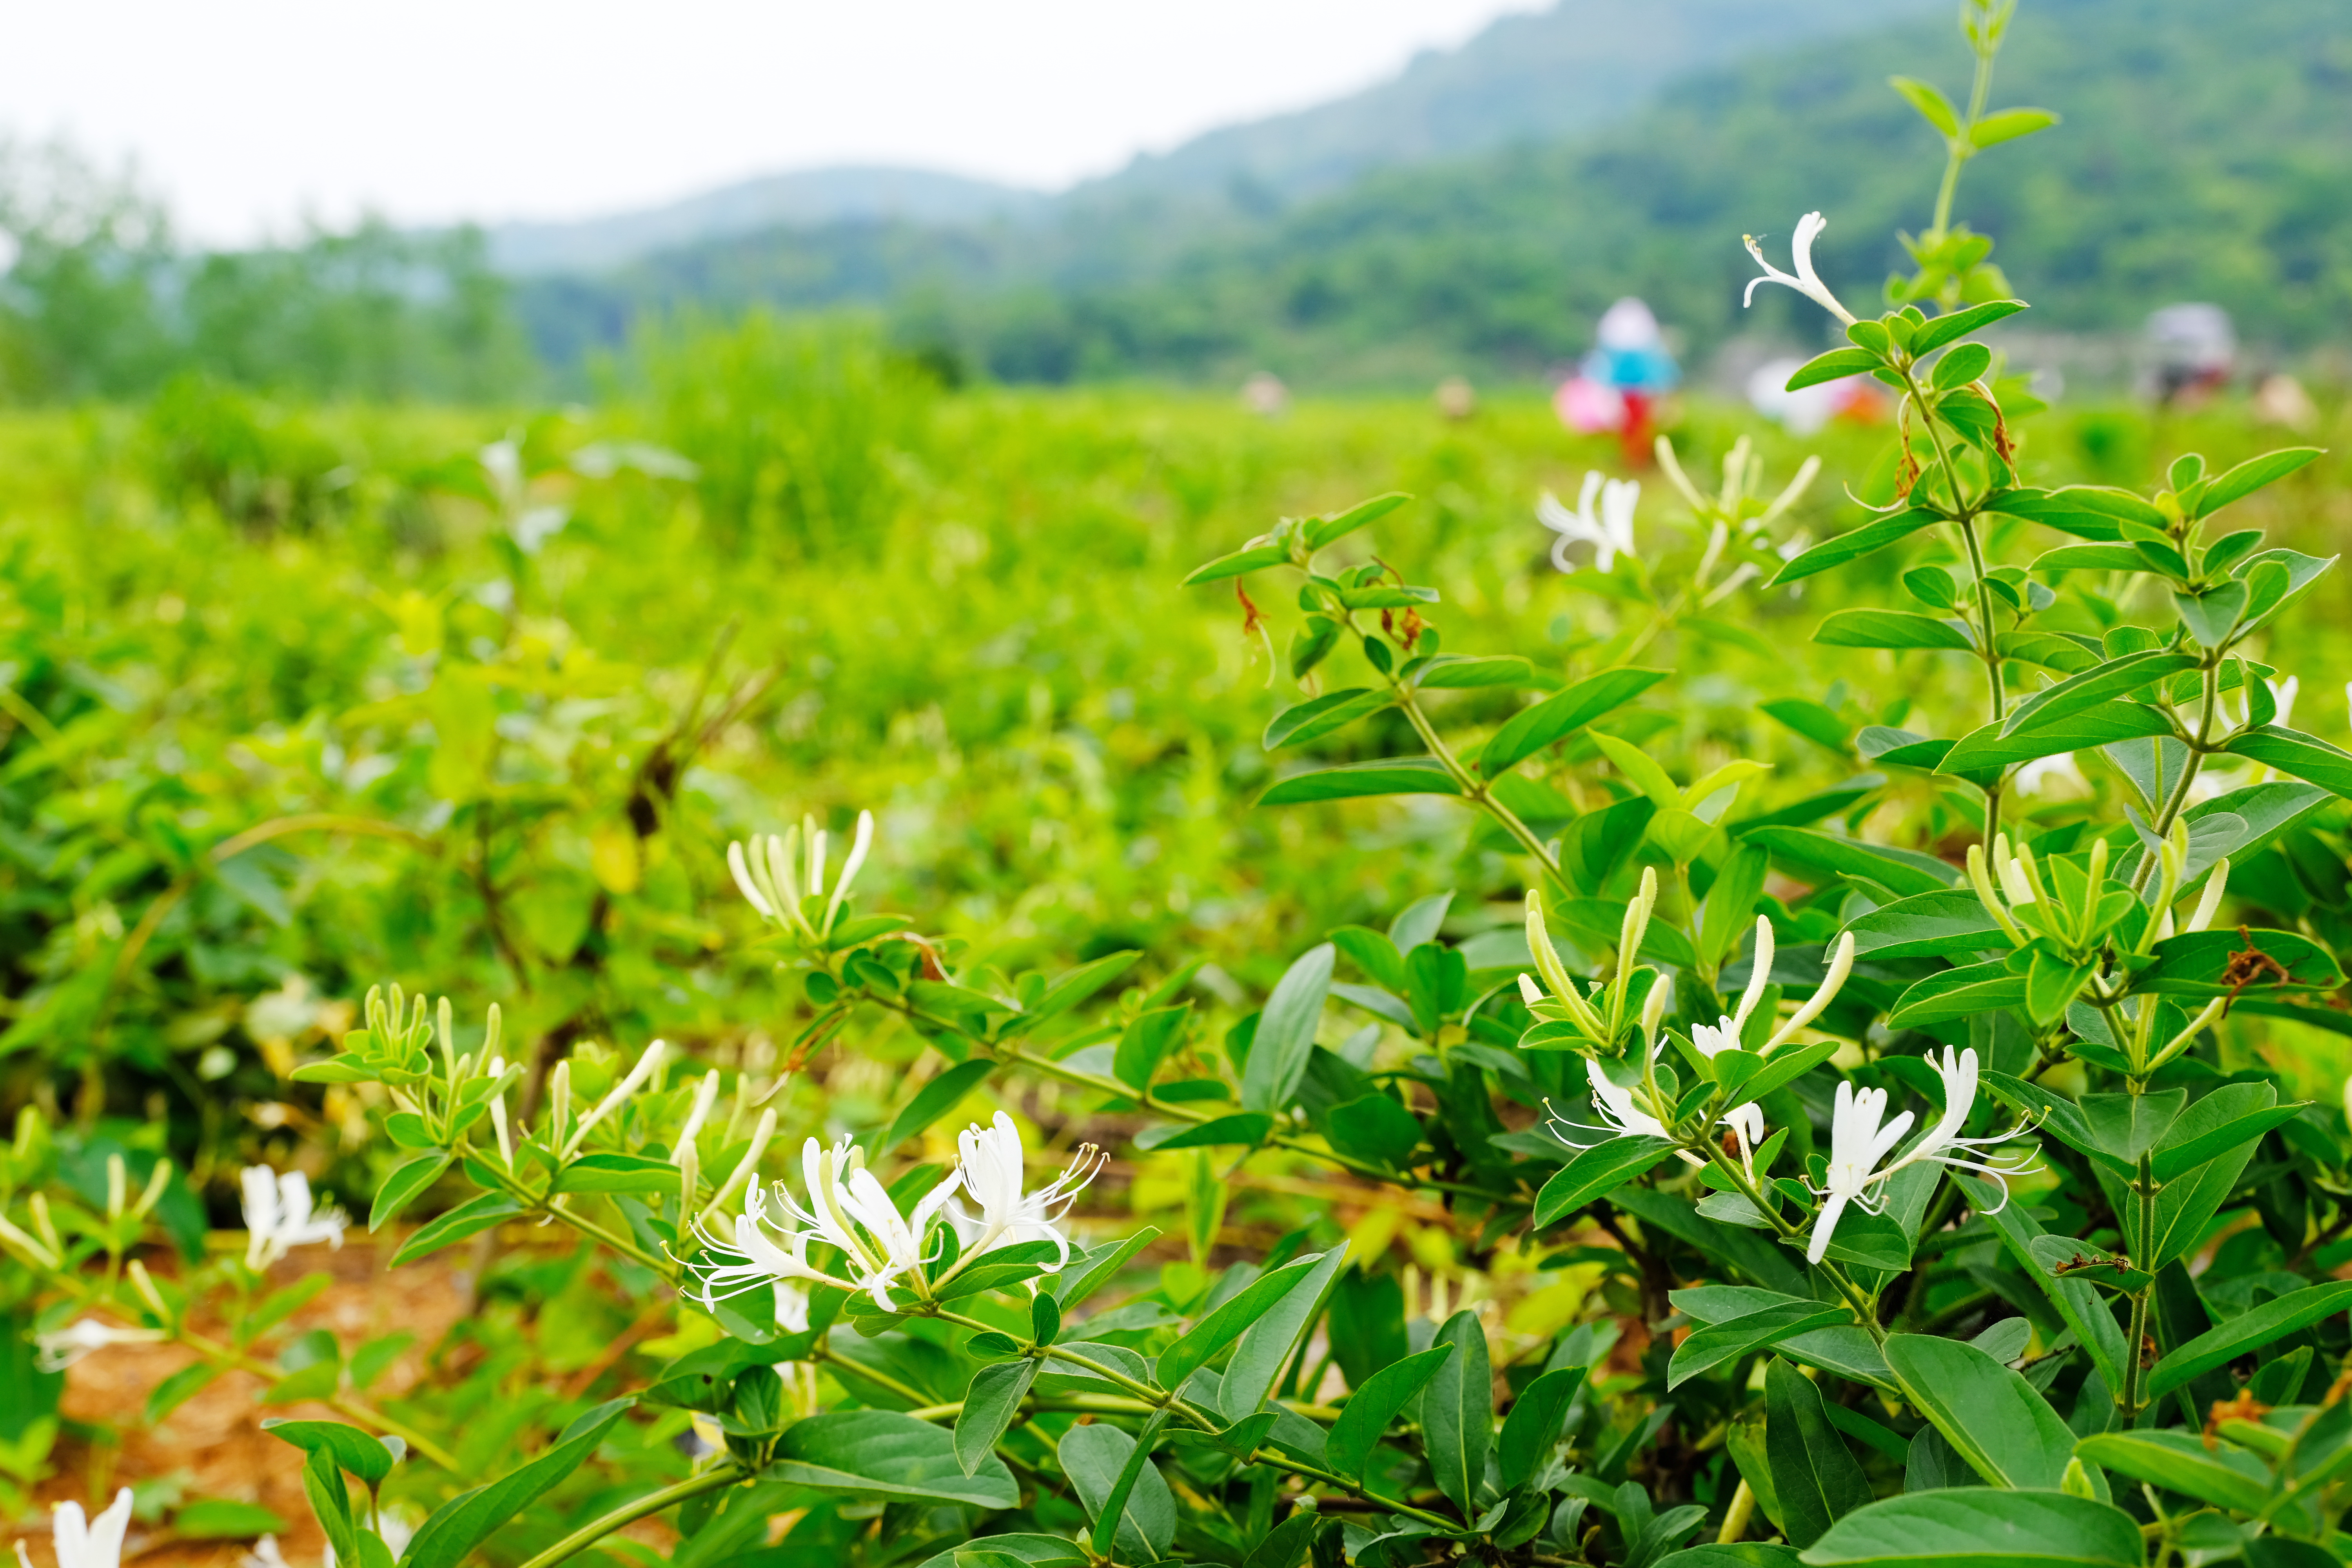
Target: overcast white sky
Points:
x,y
249,114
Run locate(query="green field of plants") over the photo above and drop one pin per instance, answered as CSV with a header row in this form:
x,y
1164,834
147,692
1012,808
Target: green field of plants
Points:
x,y
801,966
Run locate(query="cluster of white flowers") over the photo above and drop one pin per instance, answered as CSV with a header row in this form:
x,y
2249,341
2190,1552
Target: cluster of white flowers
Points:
x,y
1610,531
780,871
278,1216
848,1208
85,1542
1857,1142
60,1348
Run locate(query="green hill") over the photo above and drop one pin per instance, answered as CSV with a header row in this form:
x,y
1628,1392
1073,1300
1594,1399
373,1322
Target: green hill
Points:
x,y
2207,153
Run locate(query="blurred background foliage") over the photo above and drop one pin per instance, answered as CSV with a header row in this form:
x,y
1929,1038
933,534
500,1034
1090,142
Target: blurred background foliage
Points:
x,y
1473,215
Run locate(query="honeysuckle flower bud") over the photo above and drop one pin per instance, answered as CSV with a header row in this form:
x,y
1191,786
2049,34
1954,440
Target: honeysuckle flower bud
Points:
x,y
2013,881
706,1095
1841,967
60,1348
85,1542
774,874
990,1165
850,866
1529,992
2208,902
1805,280
620,1094
1556,978
1656,1005
1725,1033
278,1216
1610,532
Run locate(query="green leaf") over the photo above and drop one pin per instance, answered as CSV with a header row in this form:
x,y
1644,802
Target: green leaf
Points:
x,y
1891,629
1561,714
1815,1477
1374,1127
1240,563
1097,1267
1900,871
1313,720
2128,1125
2194,964
468,1219
864,1452
2211,615
2173,1157
1094,1459
2077,1302
1992,748
989,1405
178,1389
1457,1413
1247,1128
1533,1424
1221,1328
2225,1475
1338,525
1370,1409
1869,539
2114,678
1787,1065
220,1518
1940,924
1710,1347
468,1520
1596,1172
1951,329
401,1188
2009,124
1933,106
1454,671
1835,365
1970,1527
990,1550
935,1100
1081,983
2253,475
2000,1425
1358,781
1959,994
2241,1335
617,1173
1263,1349
359,1452
1286,1032
2307,757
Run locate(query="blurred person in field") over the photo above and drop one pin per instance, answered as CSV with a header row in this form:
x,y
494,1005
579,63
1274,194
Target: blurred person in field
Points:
x,y
1456,399
1264,396
2191,349
1618,386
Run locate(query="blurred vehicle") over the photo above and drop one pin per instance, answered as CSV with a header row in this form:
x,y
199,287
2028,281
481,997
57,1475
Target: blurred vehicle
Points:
x,y
2191,351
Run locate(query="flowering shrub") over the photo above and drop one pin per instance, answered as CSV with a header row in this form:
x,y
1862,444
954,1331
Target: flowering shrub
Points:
x,y
1905,1171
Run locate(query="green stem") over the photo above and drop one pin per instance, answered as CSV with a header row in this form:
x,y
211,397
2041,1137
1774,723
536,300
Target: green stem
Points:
x,y
1855,1296
2145,1186
588,1534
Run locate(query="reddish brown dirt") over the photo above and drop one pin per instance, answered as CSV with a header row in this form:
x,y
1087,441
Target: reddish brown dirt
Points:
x,y
215,1443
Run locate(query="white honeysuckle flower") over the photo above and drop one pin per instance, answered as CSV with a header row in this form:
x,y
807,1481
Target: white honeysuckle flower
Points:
x,y
278,1216
1747,1123
792,1308
990,1163
1614,1101
1610,531
1857,1142
85,1542
1725,1033
2283,695
847,1209
1805,280
265,1554
60,1348
1840,968
2030,777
